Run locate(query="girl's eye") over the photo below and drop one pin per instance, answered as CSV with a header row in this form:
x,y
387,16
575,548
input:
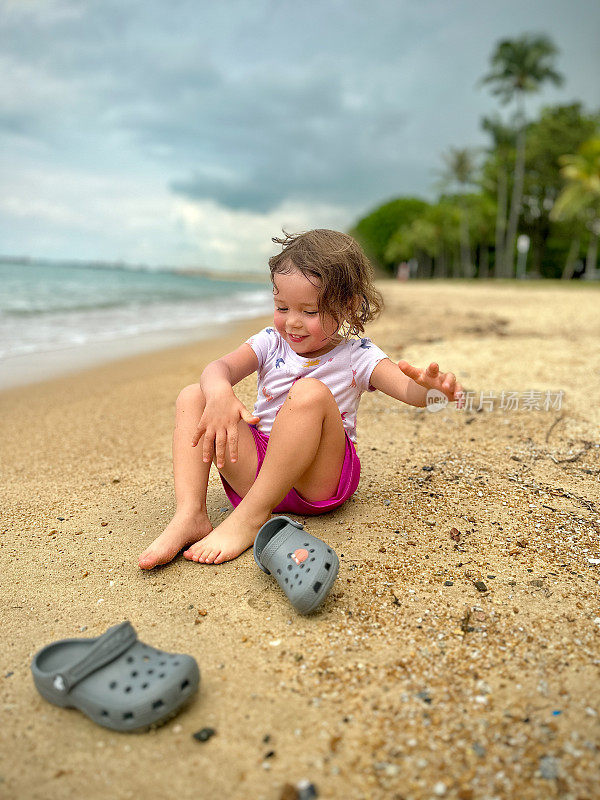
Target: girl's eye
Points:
x,y
280,309
311,313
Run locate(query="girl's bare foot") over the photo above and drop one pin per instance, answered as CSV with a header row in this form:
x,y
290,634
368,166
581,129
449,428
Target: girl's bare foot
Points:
x,y
186,527
228,540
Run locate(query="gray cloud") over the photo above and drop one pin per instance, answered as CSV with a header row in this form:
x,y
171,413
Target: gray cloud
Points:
x,y
254,103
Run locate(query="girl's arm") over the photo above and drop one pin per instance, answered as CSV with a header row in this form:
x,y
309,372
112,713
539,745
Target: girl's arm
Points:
x,y
223,411
223,374
410,384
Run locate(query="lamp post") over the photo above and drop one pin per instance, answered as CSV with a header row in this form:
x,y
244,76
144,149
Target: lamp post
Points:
x,y
523,243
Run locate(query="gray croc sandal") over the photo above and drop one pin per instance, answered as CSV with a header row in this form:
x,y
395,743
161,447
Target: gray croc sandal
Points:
x,y
302,565
116,680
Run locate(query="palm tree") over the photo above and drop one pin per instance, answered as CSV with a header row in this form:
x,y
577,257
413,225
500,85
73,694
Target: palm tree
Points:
x,y
503,137
581,196
460,172
520,66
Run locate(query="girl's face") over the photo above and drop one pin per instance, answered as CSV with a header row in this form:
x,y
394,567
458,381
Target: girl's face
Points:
x,y
297,318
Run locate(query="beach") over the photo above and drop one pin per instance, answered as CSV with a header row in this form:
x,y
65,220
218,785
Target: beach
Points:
x,y
458,654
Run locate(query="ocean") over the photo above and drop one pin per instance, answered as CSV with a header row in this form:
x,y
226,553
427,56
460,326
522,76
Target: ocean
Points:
x,y
72,315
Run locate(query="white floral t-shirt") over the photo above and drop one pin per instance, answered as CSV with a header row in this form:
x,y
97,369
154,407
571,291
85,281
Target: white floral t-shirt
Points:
x,y
345,370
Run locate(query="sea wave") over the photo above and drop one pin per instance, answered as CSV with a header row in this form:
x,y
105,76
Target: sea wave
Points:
x,y
22,334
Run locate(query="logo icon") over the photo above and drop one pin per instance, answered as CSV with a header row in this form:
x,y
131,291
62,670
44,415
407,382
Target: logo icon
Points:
x,y
436,400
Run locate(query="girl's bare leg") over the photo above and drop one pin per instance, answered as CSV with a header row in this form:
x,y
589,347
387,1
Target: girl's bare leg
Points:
x,y
306,451
190,522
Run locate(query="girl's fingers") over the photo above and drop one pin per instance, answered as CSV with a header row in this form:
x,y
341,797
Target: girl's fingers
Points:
x,y
449,383
197,435
207,449
232,438
220,441
459,395
432,370
409,370
249,418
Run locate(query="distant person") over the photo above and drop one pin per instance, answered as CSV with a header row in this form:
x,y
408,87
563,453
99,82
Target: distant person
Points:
x,y
403,271
295,453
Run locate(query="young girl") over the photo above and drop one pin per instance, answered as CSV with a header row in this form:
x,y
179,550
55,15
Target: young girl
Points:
x,y
296,453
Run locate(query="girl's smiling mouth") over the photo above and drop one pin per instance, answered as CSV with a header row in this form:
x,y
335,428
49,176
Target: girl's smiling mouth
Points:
x,y
296,338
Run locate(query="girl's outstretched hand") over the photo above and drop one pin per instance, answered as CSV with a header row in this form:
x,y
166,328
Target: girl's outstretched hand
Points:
x,y
218,424
432,378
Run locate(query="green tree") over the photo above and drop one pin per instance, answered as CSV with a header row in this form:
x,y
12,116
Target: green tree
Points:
x,y
520,66
581,196
495,179
376,229
435,234
460,173
482,218
559,130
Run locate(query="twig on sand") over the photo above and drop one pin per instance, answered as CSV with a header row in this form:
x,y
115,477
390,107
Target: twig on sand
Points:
x,y
586,447
556,491
554,424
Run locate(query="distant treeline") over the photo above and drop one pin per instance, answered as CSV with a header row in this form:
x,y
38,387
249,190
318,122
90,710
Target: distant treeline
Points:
x,y
529,204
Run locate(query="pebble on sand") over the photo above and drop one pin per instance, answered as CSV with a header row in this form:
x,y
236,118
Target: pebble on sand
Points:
x,y
204,734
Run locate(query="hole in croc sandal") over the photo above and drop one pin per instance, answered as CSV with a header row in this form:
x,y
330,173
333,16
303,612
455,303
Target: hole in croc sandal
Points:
x,y
286,580
317,586
134,674
329,551
162,675
104,714
112,685
130,659
327,565
176,663
279,572
184,685
157,704
312,549
299,583
146,658
128,689
313,558
128,715
150,672
289,567
145,685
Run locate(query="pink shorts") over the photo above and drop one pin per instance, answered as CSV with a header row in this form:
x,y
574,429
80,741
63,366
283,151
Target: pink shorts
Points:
x,y
294,503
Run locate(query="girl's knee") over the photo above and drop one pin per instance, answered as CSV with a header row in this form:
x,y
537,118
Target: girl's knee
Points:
x,y
190,395
309,391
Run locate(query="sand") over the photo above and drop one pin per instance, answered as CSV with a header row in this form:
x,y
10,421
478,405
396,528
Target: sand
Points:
x,y
410,682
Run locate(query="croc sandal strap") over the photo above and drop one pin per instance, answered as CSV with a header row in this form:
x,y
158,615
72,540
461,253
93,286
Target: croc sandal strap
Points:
x,y
266,543
109,646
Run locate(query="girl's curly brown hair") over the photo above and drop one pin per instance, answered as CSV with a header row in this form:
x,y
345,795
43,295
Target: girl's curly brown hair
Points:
x,y
344,273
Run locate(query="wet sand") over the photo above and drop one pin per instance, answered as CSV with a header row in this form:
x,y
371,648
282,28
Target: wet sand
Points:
x,y
446,663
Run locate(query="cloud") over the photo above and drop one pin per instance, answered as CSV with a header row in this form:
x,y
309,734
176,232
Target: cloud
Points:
x,y
189,120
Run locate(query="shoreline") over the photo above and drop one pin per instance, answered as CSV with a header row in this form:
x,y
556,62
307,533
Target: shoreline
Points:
x,y
39,367
30,370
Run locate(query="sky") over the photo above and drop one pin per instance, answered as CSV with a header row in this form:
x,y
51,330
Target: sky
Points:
x,y
189,133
